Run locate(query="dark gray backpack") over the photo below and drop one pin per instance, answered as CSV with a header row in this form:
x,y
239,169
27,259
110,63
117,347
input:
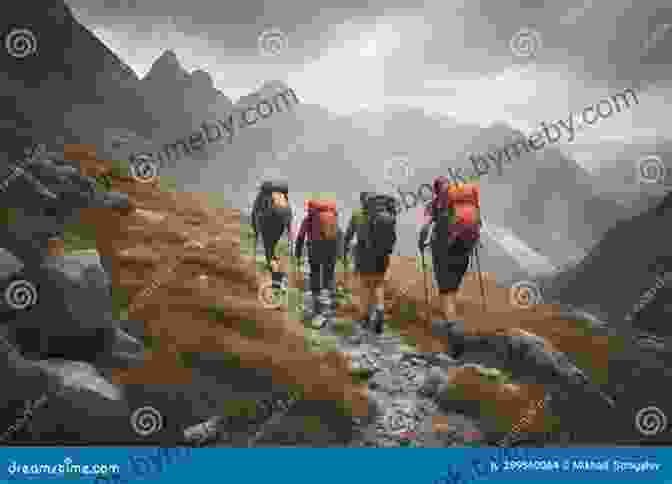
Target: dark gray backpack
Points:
x,y
381,224
269,220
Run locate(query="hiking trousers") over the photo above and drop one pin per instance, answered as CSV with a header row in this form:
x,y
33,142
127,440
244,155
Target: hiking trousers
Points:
x,y
322,276
320,288
450,260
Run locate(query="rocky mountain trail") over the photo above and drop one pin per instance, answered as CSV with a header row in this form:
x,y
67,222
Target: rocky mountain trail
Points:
x,y
200,349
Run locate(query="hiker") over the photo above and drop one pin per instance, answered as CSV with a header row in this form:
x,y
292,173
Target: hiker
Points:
x,y
375,227
324,239
271,217
455,220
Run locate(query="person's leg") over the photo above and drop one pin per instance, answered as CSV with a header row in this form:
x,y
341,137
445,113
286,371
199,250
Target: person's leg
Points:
x,y
277,277
314,277
364,297
329,288
379,304
308,303
378,294
448,300
315,283
451,271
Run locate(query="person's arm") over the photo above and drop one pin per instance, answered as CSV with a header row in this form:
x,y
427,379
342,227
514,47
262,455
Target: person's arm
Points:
x,y
298,245
255,208
349,235
422,238
340,246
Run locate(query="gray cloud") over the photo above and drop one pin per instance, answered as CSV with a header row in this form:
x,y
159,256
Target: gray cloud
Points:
x,y
598,39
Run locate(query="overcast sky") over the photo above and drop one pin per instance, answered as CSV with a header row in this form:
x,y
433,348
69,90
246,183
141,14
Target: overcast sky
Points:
x,y
451,57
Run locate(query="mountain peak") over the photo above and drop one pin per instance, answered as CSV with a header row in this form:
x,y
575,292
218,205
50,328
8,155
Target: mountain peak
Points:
x,y
167,65
201,78
168,55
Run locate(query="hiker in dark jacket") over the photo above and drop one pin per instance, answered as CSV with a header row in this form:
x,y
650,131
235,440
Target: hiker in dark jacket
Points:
x,y
454,220
324,238
271,217
371,264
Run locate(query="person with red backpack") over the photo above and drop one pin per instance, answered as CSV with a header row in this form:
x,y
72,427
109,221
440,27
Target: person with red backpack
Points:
x,y
320,228
455,220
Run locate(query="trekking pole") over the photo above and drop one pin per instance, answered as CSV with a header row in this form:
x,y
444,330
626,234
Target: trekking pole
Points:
x,y
424,276
480,277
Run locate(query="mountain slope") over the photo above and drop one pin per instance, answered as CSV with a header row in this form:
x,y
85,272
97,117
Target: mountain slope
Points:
x,y
71,87
620,268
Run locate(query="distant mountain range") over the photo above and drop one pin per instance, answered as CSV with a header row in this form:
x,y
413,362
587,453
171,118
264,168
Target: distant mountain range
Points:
x,y
75,90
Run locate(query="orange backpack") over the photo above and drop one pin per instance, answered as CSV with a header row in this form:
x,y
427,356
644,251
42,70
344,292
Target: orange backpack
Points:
x,y
465,199
462,203
324,219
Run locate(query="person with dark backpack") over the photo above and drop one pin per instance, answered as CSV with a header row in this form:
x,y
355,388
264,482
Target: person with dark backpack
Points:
x,y
375,227
320,229
455,220
271,217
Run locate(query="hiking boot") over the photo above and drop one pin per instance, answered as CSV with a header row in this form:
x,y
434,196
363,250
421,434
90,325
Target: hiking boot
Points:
x,y
309,306
279,280
319,321
364,322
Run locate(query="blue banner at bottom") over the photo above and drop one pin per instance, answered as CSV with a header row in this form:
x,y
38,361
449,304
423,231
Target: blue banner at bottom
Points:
x,y
298,465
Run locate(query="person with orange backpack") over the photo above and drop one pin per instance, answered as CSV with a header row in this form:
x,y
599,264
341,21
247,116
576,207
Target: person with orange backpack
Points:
x,y
455,220
320,228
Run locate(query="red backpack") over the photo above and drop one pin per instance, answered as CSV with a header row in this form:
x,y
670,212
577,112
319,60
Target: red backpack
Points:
x,y
323,219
